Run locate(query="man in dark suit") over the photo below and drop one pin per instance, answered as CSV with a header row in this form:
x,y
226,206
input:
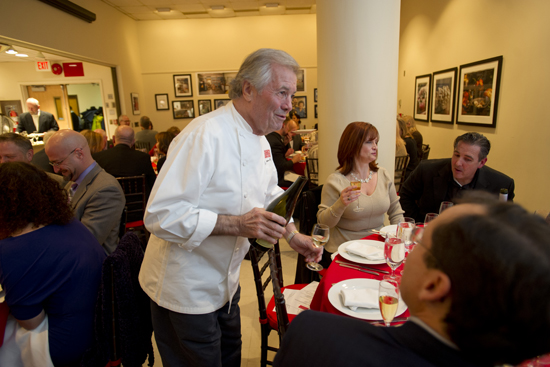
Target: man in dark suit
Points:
x,y
280,149
36,120
438,180
96,197
477,286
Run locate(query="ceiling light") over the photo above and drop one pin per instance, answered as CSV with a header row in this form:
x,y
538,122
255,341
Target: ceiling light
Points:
x,y
21,55
217,7
271,5
11,51
164,10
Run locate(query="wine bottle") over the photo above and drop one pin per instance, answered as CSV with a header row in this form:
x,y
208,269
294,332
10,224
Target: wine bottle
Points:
x,y
503,196
283,205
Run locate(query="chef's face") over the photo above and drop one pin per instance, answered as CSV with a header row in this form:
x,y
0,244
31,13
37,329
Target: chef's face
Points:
x,y
33,108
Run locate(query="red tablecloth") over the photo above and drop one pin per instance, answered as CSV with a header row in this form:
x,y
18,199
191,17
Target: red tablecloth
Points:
x,y
336,273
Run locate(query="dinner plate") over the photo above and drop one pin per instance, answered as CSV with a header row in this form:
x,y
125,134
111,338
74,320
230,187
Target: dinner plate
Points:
x,y
304,131
342,250
389,229
361,313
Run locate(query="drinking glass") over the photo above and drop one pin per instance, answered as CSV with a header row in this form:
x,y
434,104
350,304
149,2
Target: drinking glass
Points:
x,y
404,232
356,187
394,253
320,235
388,300
429,218
445,205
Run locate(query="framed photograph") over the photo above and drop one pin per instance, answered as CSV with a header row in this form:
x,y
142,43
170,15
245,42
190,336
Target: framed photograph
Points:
x,y
478,88
183,109
220,103
422,97
205,106
315,111
443,96
301,81
162,102
315,95
299,104
215,83
134,97
183,86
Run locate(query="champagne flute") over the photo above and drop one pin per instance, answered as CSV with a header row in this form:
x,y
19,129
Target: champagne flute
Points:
x,y
388,300
394,253
429,218
404,232
356,187
445,205
320,235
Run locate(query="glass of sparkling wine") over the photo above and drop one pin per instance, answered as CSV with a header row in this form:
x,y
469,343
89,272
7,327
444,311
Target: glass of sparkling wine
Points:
x,y
394,253
388,300
320,235
356,187
404,231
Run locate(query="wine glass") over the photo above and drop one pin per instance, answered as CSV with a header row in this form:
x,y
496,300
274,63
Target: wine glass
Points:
x,y
404,232
320,235
445,205
429,218
388,300
394,253
356,186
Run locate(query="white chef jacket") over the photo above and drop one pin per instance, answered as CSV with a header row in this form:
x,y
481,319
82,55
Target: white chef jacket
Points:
x,y
216,165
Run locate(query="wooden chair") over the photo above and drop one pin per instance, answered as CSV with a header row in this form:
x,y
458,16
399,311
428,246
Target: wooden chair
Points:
x,y
312,167
134,192
425,151
401,163
143,146
269,320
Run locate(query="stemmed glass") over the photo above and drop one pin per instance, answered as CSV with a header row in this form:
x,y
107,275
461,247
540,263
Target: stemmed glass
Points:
x,y
394,253
356,186
404,232
445,205
320,235
429,218
388,300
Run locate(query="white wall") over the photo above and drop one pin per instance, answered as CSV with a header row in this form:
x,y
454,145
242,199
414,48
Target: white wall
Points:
x,y
88,95
440,34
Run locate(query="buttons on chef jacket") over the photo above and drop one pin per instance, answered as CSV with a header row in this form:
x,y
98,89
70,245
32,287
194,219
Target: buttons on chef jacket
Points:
x,y
244,164
245,195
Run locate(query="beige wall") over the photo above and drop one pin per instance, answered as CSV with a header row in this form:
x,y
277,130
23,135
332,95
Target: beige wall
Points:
x,y
204,45
437,35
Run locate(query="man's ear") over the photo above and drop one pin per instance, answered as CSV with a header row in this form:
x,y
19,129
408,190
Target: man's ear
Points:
x,y
30,154
482,162
248,91
435,287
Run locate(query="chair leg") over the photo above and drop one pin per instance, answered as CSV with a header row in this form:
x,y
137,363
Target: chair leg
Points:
x,y
265,339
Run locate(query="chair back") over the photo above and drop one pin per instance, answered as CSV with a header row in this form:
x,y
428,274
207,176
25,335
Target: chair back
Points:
x,y
309,205
123,220
401,163
134,192
312,166
425,151
143,146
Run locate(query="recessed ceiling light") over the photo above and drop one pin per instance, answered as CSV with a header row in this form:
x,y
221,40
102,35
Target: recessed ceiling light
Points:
x,y
164,10
217,7
11,51
21,55
271,5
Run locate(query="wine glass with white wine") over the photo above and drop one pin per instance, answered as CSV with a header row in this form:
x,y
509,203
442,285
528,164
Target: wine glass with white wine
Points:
x,y
356,187
388,300
320,235
394,253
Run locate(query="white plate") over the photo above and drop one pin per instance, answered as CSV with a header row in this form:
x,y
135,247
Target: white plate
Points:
x,y
304,131
360,313
359,259
389,229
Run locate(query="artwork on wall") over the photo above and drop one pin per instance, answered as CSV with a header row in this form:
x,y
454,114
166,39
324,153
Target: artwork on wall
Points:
x,y
315,111
443,96
215,83
422,97
301,81
220,103
183,109
161,101
479,84
205,106
183,86
299,104
134,98
315,95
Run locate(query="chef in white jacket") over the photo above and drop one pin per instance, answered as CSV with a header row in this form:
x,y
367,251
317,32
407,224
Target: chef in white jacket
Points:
x,y
206,202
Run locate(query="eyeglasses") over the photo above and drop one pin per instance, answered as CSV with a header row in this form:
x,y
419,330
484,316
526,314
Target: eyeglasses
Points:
x,y
57,164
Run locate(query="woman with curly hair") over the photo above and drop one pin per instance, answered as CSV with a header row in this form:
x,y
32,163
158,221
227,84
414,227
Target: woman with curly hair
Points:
x,y
50,264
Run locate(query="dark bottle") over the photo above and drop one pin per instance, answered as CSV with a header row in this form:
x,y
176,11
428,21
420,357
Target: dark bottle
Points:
x,y
283,205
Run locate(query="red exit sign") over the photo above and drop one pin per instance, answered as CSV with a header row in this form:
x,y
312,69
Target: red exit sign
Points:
x,y
43,66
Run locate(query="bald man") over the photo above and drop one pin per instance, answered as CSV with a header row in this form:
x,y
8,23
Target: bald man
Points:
x,y
36,120
123,161
97,198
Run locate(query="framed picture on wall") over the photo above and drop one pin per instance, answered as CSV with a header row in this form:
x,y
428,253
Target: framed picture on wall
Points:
x,y
205,106
315,111
299,104
134,97
161,101
220,103
183,109
443,96
183,86
422,97
301,81
315,95
215,83
478,88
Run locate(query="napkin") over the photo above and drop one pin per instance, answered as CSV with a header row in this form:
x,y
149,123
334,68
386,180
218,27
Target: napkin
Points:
x,y
366,251
354,298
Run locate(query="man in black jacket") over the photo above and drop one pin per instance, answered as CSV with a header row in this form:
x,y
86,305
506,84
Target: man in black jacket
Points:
x,y
36,120
437,180
280,149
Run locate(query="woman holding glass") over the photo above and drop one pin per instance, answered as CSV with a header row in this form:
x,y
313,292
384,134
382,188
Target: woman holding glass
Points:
x,y
352,214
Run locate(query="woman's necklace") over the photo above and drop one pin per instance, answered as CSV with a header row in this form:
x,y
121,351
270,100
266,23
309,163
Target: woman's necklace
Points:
x,y
366,180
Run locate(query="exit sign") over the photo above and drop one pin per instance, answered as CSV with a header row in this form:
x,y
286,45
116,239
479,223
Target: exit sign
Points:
x,y
43,66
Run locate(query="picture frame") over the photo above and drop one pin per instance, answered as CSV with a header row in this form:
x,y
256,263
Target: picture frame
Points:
x,y
215,83
301,81
134,98
443,96
422,88
161,101
183,109
478,90
315,95
300,110
205,106
220,103
183,86
315,111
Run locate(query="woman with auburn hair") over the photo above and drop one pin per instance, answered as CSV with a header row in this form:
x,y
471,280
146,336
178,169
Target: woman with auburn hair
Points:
x,y
410,145
411,125
163,142
95,140
357,153
50,264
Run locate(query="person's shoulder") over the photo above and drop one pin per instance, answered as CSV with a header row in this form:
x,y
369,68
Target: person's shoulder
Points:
x,y
493,173
429,164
